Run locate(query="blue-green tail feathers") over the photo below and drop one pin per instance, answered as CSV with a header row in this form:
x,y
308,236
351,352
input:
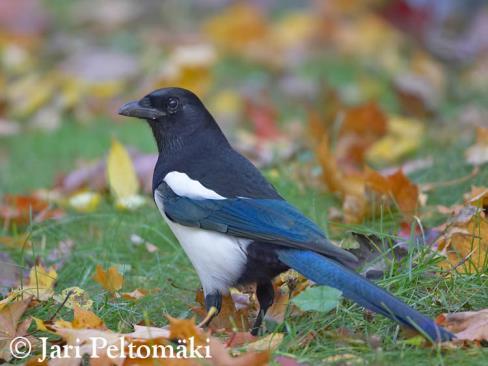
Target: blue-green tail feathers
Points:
x,y
325,271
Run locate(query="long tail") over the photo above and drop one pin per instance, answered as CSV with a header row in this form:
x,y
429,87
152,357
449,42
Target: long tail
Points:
x,y
326,271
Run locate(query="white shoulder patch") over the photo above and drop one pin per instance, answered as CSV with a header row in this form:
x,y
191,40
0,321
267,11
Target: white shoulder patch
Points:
x,y
184,186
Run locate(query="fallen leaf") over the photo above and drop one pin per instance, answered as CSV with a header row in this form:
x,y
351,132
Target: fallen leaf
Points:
x,y
74,297
404,137
41,282
466,326
111,280
396,186
11,326
85,202
267,343
121,174
23,209
134,295
85,319
464,242
318,298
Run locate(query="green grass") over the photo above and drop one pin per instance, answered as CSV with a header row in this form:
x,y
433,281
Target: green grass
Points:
x,y
34,159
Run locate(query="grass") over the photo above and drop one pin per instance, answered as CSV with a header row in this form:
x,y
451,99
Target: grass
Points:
x,y
34,159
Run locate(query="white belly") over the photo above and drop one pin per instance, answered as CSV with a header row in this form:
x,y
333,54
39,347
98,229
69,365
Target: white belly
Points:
x,y
219,259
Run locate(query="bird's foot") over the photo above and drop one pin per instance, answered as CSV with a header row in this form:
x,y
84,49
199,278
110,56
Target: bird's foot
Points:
x,y
212,313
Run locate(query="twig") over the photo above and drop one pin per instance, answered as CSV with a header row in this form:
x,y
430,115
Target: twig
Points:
x,y
431,186
61,305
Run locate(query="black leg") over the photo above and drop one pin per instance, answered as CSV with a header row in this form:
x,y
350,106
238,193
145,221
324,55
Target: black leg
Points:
x,y
213,304
265,295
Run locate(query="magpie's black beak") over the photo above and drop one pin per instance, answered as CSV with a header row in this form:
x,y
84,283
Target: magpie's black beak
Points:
x,y
134,109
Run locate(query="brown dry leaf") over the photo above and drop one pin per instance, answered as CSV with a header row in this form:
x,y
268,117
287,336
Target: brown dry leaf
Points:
x,y
137,294
41,282
467,326
220,356
477,154
87,340
11,327
395,186
362,126
465,242
478,197
111,280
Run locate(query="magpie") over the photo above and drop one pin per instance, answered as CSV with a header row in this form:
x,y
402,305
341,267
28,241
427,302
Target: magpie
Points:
x,y
234,226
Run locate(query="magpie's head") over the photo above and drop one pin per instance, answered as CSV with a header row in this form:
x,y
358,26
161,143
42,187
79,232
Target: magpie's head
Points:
x,y
169,111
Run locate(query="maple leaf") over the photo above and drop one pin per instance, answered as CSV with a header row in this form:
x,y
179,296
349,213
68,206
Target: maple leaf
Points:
x,y
467,326
464,241
11,327
396,186
111,280
41,282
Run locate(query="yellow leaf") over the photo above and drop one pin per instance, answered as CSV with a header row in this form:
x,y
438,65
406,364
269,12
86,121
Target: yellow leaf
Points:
x,y
40,324
77,298
85,201
111,280
122,177
41,282
270,342
404,136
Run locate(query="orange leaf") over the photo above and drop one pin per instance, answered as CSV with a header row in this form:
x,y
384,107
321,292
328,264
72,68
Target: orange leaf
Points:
x,y
111,280
86,319
396,186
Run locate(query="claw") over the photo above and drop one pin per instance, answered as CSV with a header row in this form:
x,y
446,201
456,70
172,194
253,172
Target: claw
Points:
x,y
212,312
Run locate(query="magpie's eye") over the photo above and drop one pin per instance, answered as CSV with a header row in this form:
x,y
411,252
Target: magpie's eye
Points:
x,y
172,105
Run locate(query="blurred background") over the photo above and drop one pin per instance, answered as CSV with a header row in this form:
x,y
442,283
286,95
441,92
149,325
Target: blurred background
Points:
x,y
262,68
370,116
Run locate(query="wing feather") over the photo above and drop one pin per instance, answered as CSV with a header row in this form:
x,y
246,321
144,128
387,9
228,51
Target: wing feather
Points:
x,y
264,220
